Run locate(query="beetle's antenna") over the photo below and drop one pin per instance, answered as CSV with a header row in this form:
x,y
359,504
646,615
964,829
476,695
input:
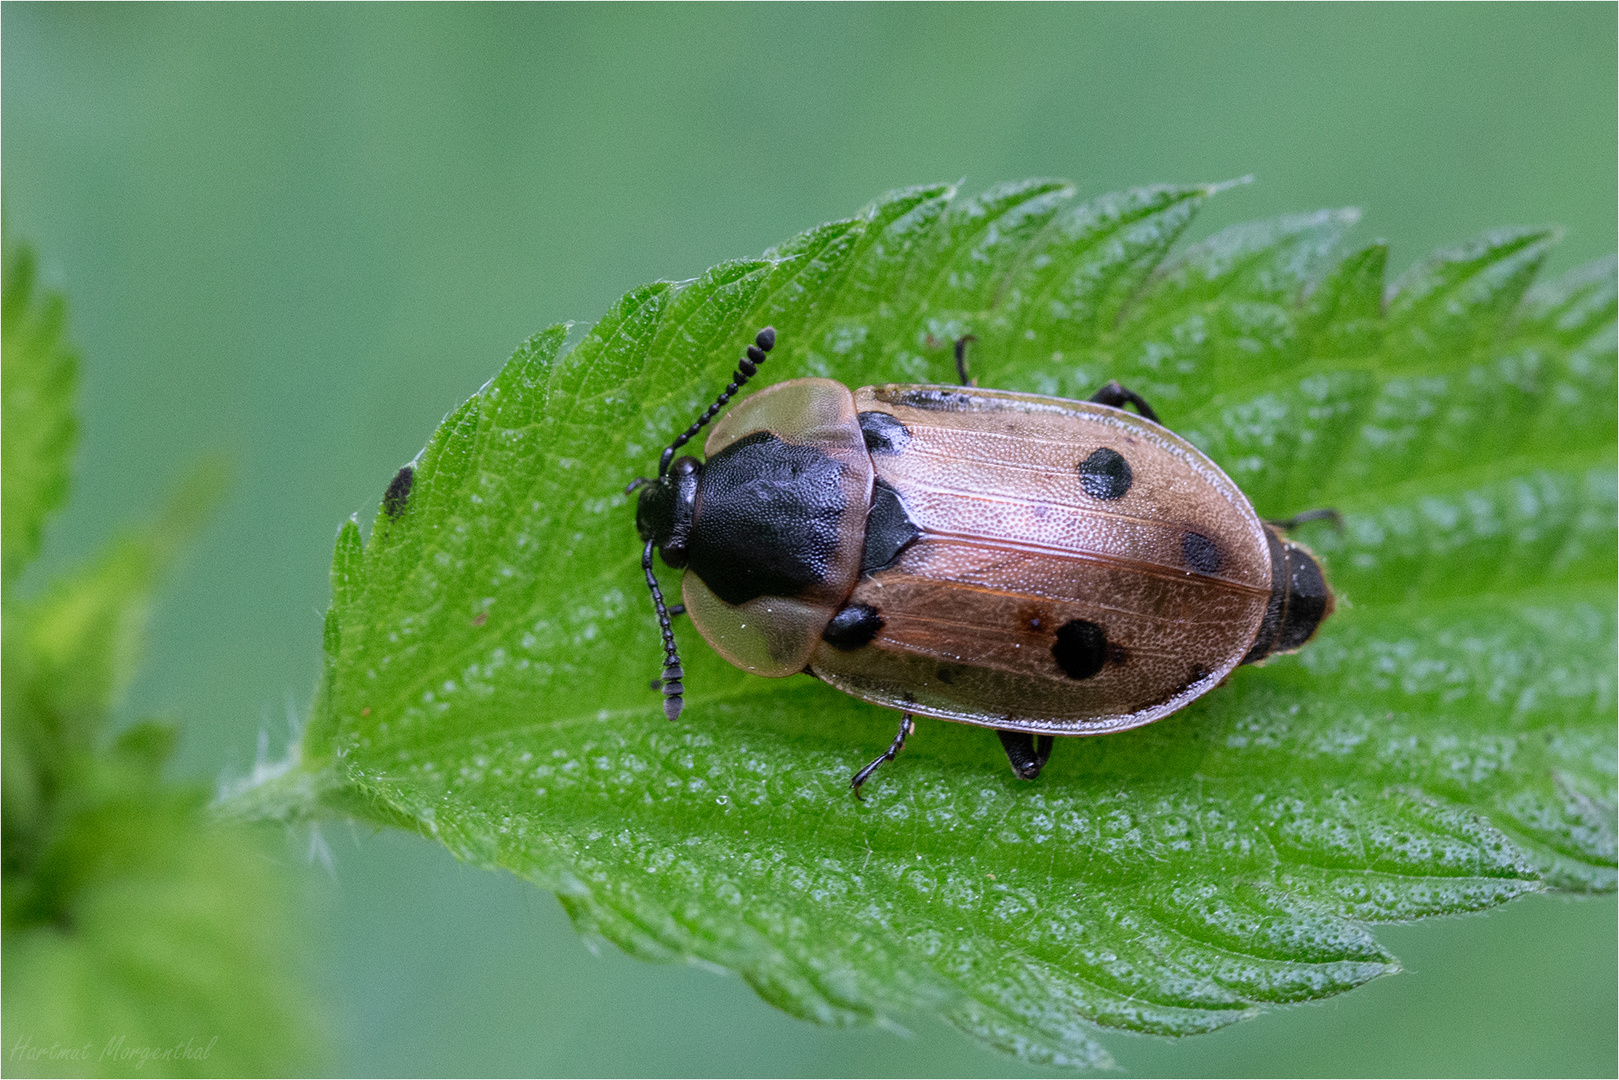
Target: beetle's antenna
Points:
x,y
745,370
673,689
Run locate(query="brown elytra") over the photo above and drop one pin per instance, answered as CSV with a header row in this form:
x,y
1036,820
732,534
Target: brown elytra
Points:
x,y
1150,556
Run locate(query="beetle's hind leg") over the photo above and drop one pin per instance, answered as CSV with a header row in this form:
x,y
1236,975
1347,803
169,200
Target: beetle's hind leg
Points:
x,y
1027,753
906,727
1115,395
961,360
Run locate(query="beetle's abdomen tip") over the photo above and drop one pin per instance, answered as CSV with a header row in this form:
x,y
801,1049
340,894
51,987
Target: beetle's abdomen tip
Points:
x,y
1300,600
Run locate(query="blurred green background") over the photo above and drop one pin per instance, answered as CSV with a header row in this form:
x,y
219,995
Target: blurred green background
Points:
x,y
302,234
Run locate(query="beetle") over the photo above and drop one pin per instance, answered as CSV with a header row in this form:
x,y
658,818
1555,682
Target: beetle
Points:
x,y
1030,564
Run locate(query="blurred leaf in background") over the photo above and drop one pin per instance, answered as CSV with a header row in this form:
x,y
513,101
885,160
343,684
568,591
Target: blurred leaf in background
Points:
x,y
1446,744
138,936
40,433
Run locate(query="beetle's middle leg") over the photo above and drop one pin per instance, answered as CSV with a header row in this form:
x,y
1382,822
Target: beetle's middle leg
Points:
x,y
906,726
1027,753
1115,395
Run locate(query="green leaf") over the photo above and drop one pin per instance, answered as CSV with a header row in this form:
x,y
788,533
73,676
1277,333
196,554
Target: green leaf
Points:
x,y
88,630
69,654
144,939
38,373
1445,745
140,936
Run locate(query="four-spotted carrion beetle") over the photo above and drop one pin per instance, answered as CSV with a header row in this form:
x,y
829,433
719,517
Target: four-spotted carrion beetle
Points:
x,y
1029,564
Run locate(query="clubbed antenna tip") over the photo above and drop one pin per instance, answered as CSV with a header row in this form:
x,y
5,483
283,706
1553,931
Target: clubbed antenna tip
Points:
x,y
746,368
672,680
673,689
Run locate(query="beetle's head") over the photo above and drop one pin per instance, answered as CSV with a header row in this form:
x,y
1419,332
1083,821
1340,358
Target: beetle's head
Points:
x,y
663,514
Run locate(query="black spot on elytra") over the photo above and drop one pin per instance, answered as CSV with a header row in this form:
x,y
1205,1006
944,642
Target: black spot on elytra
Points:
x,y
1105,474
852,627
884,433
397,496
1081,648
1201,553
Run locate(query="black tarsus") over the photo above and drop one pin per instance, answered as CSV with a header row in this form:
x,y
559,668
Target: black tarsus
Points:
x,y
763,342
907,726
961,359
1027,753
1325,513
1115,395
673,689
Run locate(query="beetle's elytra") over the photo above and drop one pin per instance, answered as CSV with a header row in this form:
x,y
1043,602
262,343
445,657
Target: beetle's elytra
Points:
x,y
1025,563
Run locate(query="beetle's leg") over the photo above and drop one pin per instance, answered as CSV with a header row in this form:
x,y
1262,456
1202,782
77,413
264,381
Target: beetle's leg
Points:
x,y
1115,395
961,360
906,726
1027,753
1326,513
